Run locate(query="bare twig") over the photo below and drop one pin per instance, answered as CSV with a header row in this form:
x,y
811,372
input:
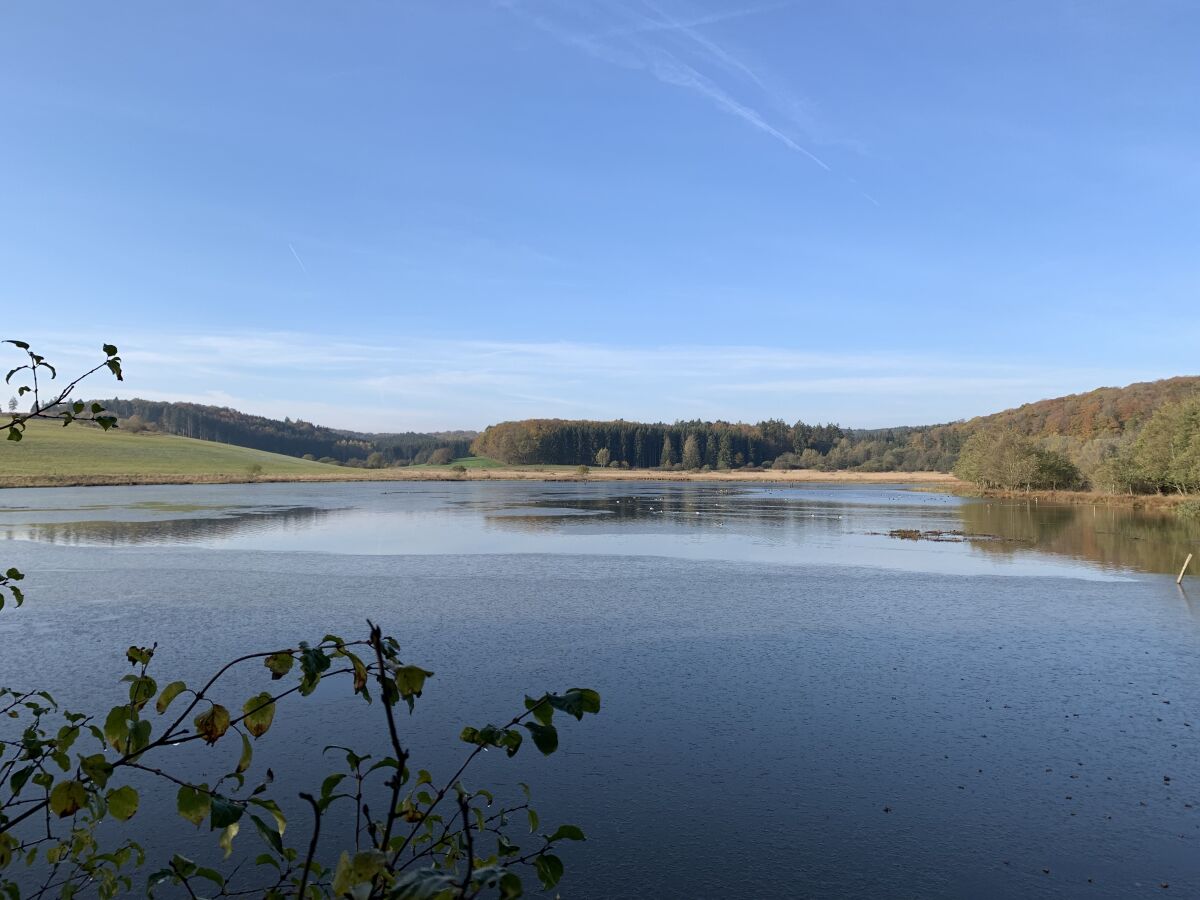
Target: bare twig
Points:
x,y
312,845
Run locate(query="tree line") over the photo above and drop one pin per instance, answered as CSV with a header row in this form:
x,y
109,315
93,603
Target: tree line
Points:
x,y
1139,438
718,445
1162,456
293,437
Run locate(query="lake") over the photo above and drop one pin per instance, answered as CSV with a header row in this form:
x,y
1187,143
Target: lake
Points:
x,y
816,690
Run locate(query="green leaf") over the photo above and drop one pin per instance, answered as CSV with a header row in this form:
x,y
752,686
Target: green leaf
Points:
x,y
423,884
109,350
212,875
276,813
194,803
410,681
313,661
182,866
360,671
67,798
533,820
260,711
122,802
20,778
8,843
330,784
545,737
96,767
137,655
542,710
270,835
279,664
246,757
169,693
141,690
139,736
224,812
116,728
549,870
511,741
213,724
510,886
576,702
567,833
359,869
225,841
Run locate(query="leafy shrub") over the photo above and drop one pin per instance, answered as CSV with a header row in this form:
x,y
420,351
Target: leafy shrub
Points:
x,y
1189,510
65,777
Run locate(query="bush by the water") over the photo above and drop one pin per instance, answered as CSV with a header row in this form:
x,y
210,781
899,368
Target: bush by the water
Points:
x,y
1006,459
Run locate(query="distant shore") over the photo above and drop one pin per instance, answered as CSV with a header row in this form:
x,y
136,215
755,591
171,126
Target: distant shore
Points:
x,y
531,473
924,481
1157,502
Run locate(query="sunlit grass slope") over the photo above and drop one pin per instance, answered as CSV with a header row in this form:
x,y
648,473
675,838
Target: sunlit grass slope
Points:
x,y
49,450
467,462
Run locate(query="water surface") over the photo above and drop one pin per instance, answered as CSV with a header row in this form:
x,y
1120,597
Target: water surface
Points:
x,y
796,703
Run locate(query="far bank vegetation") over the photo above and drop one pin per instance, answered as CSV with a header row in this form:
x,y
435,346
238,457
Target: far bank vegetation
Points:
x,y
1142,439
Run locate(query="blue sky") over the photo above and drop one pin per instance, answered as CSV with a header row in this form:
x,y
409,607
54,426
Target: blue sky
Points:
x,y
442,214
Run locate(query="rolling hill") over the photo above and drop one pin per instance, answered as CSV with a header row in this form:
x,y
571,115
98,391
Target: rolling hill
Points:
x,y
53,454
293,437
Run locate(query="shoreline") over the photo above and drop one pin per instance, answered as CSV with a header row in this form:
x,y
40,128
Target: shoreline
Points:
x,y
1145,502
922,481
795,476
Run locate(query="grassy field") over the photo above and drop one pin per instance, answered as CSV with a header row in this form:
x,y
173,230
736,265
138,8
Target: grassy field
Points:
x,y
467,462
51,455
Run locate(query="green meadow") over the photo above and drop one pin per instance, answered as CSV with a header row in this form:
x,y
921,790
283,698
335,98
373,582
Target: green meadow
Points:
x,y
467,462
52,451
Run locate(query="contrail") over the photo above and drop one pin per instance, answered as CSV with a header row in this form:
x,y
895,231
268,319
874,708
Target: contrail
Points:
x,y
299,260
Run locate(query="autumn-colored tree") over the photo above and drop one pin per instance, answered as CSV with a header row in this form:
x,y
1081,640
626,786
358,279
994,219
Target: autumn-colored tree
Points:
x,y
691,452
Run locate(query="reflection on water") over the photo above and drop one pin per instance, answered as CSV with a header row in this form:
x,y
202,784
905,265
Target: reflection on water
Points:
x,y
214,524
1007,715
1114,538
805,524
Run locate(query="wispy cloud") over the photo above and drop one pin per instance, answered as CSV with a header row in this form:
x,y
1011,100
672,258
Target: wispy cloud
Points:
x,y
303,267
671,71
435,384
688,25
674,51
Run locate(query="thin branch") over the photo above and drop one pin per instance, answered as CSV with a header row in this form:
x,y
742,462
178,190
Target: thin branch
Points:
x,y
464,807
312,844
401,756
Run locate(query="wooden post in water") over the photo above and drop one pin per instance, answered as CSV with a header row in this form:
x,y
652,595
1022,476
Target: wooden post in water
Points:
x,y
1179,580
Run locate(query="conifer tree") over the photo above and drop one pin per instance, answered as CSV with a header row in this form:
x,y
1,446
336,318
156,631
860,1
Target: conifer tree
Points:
x,y
725,454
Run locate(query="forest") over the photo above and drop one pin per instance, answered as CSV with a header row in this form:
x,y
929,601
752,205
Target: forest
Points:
x,y
293,437
1141,438
719,445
